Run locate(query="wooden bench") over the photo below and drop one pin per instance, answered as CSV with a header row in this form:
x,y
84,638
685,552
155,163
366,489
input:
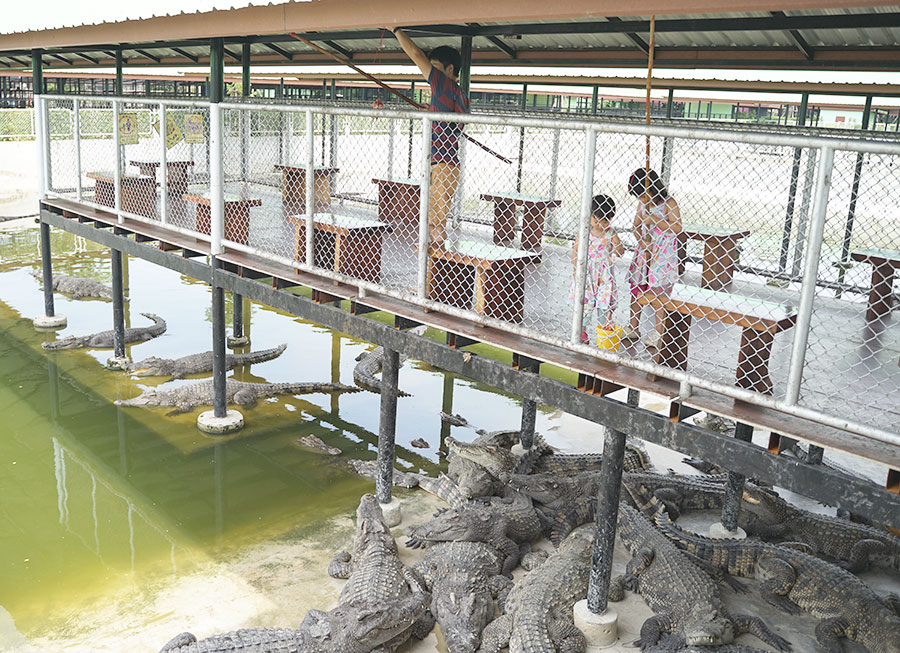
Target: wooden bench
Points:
x,y
237,215
884,262
398,204
138,192
759,319
720,253
346,244
293,188
534,214
177,175
478,275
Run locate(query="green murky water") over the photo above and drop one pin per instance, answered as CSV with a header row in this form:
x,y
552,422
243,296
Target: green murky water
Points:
x,y
96,498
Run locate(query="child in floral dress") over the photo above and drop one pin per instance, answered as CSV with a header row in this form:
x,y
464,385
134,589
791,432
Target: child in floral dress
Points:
x,y
604,247
654,267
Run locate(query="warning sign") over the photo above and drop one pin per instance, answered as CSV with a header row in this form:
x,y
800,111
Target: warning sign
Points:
x,y
194,131
128,129
174,134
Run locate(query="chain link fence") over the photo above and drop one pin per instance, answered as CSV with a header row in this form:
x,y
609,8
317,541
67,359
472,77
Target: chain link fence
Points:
x,y
757,258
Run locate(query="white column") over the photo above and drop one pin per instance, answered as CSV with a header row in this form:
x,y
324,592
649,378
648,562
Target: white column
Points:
x,y
216,186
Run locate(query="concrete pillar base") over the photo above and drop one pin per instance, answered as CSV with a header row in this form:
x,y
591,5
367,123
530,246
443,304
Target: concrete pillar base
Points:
x,y
718,532
237,341
209,423
116,363
600,630
517,450
392,513
50,322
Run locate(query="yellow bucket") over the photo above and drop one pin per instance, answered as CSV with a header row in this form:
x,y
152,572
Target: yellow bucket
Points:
x,y
609,338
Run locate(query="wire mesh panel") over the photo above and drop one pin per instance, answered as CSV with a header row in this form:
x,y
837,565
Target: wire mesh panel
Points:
x,y
62,168
97,152
853,356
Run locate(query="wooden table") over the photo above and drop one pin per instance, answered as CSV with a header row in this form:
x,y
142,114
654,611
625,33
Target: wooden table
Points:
x,y
534,214
720,253
488,278
237,214
398,204
293,188
759,319
177,173
885,263
138,192
343,243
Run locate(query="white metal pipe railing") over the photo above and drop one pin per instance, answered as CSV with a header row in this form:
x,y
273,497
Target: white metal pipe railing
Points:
x,y
810,274
163,165
43,159
117,172
216,187
76,127
584,230
424,210
310,188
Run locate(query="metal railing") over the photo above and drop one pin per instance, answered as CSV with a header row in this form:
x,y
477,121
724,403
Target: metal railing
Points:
x,y
758,298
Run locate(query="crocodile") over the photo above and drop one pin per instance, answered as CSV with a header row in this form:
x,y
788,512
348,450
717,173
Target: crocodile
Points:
x,y
77,287
685,599
375,576
855,545
369,468
793,580
476,480
104,339
348,628
186,397
369,364
178,368
464,578
537,612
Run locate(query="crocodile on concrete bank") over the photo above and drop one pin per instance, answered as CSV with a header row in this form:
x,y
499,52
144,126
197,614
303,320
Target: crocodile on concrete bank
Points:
x,y
104,339
792,579
685,600
185,398
348,628
375,576
178,368
369,468
77,287
538,610
856,545
464,578
476,480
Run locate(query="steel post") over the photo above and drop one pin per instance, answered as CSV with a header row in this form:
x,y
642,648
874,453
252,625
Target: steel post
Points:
x,y
164,167
521,142
605,520
117,171
218,319
216,181
387,425
237,314
529,417
118,304
424,209
734,488
584,226
792,190
854,195
76,128
47,266
311,186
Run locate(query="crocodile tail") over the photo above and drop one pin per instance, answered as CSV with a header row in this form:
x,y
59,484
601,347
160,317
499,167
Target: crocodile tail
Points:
x,y
262,355
159,324
636,458
443,488
307,388
648,503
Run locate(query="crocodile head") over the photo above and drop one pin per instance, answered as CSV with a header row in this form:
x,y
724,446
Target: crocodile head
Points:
x,y
494,458
147,398
371,527
706,626
472,479
463,614
543,488
468,524
153,366
69,342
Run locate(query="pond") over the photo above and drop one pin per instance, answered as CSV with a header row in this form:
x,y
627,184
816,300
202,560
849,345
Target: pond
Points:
x,y
101,502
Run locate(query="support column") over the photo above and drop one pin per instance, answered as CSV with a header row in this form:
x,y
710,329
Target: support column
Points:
x,y
237,337
529,406
594,93
465,69
734,490
119,89
117,362
521,142
668,142
387,427
792,190
49,320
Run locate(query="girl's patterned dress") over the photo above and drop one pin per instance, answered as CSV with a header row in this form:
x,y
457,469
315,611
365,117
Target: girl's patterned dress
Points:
x,y
600,286
656,266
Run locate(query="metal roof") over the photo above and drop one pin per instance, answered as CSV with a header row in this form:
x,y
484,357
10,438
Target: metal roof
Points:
x,y
754,34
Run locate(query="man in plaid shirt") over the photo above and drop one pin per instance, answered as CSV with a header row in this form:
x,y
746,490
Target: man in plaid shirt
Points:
x,y
441,69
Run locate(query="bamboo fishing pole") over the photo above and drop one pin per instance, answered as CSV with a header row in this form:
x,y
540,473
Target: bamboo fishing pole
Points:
x,y
346,62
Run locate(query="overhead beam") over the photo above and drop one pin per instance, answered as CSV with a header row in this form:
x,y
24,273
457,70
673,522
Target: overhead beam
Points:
x,y
231,54
284,53
59,58
87,58
186,54
146,54
798,39
637,40
334,46
498,42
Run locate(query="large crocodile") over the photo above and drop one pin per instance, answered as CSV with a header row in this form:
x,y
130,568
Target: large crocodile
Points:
x,y
464,578
77,287
856,545
375,576
178,368
538,610
685,600
476,480
793,580
104,339
186,397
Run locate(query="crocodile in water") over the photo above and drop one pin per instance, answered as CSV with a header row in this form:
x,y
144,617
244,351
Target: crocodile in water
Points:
x,y
178,368
104,339
369,363
186,397
77,287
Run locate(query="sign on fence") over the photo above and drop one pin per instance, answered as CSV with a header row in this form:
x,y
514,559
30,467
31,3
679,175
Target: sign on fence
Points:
x,y
174,134
194,131
128,129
